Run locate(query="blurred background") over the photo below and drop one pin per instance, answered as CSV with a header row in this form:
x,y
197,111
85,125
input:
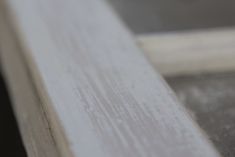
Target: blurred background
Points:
x,y
210,98
147,16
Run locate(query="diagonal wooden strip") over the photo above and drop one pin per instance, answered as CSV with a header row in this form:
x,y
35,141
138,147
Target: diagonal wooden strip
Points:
x,y
100,95
191,52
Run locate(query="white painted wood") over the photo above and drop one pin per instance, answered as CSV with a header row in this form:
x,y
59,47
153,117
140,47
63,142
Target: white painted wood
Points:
x,y
191,52
29,111
100,95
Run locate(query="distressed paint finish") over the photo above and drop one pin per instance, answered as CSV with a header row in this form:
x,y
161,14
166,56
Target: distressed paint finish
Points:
x,y
101,96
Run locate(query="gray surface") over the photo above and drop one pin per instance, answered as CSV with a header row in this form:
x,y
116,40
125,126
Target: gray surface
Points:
x,y
211,101
163,15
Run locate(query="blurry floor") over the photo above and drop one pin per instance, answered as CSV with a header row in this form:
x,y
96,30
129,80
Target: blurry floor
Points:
x,y
211,101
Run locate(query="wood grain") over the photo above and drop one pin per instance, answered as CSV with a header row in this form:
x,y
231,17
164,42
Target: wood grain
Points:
x,y
99,95
191,52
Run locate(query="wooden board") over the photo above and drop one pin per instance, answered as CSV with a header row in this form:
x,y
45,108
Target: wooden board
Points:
x,y
191,52
29,112
76,70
